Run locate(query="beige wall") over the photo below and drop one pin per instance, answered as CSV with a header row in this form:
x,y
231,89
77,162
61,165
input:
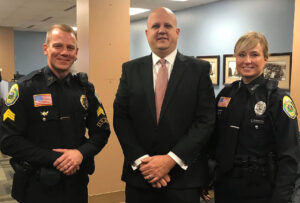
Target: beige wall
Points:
x,y
295,84
104,36
7,55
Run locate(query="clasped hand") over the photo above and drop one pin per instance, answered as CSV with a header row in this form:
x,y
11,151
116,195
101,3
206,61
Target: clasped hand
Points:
x,y
155,170
69,162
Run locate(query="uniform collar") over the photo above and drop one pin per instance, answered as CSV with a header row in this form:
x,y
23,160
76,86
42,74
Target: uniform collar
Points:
x,y
51,77
254,84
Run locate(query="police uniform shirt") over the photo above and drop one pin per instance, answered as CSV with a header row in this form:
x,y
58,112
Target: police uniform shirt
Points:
x,y
43,113
265,126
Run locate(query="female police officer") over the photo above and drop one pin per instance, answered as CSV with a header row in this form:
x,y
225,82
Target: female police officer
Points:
x,y
256,132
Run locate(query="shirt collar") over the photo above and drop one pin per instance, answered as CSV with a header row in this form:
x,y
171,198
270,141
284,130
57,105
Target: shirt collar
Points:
x,y
260,80
170,58
51,77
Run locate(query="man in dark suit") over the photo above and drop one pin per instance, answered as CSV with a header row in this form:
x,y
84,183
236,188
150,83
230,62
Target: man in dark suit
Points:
x,y
163,116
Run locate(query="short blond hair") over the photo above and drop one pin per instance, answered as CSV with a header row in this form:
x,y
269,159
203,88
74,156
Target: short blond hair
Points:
x,y
249,41
63,27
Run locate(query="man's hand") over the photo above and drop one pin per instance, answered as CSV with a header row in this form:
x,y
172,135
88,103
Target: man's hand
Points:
x,y
205,195
155,167
163,182
69,162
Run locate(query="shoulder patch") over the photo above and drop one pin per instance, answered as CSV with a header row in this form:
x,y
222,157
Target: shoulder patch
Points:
x,y
9,114
100,111
289,107
13,95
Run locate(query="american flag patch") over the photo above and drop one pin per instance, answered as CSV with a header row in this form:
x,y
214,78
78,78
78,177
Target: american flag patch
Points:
x,y
224,101
42,100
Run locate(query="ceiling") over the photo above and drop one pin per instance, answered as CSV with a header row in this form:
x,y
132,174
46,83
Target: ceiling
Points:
x,y
39,15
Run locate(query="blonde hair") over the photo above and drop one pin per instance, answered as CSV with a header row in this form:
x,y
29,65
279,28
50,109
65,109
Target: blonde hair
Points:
x,y
63,27
249,41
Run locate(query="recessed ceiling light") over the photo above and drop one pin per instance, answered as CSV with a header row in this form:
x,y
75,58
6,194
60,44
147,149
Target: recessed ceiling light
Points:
x,y
135,11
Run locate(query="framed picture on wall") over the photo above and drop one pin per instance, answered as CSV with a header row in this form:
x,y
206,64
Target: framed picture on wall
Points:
x,y
214,67
230,73
279,66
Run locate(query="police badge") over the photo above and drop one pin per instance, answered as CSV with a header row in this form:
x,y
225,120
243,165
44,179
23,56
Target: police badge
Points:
x,y
260,108
84,102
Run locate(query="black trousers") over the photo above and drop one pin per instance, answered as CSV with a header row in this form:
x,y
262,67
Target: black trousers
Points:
x,y
243,189
71,189
162,195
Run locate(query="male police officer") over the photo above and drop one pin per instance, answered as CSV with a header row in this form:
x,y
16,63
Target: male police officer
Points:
x,y
44,123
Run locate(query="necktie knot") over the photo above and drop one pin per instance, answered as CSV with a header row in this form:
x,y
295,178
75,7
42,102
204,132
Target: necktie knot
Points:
x,y
162,62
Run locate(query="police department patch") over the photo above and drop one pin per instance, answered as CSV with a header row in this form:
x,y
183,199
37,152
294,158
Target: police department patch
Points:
x,y
13,95
289,107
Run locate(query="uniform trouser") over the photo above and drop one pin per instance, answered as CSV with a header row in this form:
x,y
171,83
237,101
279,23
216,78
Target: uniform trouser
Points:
x,y
251,188
71,189
162,195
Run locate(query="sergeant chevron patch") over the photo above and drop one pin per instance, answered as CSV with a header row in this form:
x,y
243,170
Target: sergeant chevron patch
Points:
x,y
9,114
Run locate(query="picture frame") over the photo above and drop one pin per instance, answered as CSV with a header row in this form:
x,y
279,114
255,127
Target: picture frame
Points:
x,y
214,67
230,73
279,66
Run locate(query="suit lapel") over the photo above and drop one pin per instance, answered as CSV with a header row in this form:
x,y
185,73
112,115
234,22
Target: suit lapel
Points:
x,y
176,76
147,79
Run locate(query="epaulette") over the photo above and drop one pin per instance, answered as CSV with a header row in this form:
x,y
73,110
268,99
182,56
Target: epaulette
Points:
x,y
234,84
30,76
271,84
84,80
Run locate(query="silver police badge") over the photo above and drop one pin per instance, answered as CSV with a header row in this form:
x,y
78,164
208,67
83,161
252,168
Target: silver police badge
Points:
x,y
260,108
84,102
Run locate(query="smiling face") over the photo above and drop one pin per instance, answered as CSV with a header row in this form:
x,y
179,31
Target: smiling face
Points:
x,y
162,32
251,52
61,50
250,63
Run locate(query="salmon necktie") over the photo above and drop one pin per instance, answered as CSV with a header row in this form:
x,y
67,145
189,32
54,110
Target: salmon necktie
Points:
x,y
160,86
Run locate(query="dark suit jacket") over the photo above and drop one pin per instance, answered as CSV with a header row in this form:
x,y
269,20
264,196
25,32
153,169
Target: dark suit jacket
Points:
x,y
186,120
